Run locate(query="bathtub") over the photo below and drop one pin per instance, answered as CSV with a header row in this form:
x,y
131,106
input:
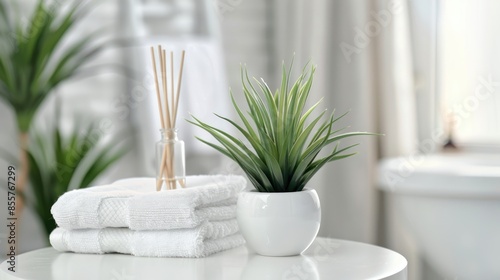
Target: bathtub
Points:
x,y
444,210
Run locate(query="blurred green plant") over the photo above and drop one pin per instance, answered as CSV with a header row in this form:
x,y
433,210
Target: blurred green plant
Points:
x,y
283,143
59,162
34,61
31,65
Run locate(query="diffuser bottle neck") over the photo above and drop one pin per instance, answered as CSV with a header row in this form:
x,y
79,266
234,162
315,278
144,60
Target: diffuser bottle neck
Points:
x,y
168,134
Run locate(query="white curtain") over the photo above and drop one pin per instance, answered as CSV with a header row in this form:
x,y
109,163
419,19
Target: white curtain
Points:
x,y
364,64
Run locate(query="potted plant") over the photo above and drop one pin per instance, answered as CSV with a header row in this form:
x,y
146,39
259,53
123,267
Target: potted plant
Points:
x,y
281,217
36,58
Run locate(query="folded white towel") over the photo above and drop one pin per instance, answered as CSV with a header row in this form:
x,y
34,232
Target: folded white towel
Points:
x,y
135,203
201,241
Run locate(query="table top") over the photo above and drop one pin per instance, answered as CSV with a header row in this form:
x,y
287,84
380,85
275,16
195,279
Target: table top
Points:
x,y
325,259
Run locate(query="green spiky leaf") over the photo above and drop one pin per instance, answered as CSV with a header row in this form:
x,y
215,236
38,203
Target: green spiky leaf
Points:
x,y
281,138
33,59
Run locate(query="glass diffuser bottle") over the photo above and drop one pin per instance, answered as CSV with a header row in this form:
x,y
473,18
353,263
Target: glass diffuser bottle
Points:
x,y
170,161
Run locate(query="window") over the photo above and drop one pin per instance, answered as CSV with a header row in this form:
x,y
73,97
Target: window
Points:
x,y
468,74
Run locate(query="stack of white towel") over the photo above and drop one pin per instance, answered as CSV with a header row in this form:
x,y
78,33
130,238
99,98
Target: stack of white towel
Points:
x,y
130,217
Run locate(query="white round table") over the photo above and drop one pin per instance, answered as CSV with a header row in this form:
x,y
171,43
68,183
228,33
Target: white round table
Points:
x,y
325,259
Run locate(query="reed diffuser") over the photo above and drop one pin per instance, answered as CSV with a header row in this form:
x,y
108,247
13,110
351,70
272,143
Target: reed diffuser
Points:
x,y
170,159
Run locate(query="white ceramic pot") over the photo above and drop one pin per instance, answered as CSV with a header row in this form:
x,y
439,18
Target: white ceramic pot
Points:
x,y
279,224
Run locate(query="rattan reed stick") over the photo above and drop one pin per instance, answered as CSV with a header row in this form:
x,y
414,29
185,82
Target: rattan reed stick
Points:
x,y
168,119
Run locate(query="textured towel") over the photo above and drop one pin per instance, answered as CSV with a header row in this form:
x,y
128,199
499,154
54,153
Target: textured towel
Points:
x,y
204,240
135,203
